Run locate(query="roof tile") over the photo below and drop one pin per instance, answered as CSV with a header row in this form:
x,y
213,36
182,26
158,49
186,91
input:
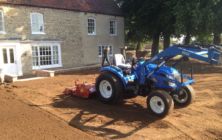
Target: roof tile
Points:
x,y
108,7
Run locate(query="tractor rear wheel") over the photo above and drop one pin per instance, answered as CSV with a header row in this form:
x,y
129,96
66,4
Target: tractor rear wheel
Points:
x,y
109,88
184,96
160,103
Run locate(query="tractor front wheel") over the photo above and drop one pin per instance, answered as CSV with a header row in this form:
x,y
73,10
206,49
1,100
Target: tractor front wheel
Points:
x,y
109,88
160,103
184,96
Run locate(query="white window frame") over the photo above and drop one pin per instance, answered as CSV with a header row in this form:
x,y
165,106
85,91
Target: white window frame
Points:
x,y
40,32
100,48
116,27
94,26
51,44
3,22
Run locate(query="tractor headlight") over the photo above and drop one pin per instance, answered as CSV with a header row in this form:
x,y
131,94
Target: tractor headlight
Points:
x,y
171,84
170,77
177,76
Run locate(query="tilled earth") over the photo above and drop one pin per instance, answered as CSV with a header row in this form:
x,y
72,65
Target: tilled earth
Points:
x,y
130,120
20,120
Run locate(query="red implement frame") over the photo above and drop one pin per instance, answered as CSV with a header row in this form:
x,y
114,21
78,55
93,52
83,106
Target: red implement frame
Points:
x,y
83,90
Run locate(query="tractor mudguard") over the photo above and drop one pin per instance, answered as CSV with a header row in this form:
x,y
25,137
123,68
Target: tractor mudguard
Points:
x,y
117,72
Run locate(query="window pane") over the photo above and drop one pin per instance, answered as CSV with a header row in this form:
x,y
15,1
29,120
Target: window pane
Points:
x,y
5,57
112,27
100,50
37,22
35,58
91,26
1,27
110,50
45,55
1,16
55,55
12,59
41,23
34,23
1,21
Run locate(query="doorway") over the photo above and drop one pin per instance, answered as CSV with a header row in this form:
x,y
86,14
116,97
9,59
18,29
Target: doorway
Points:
x,y
8,63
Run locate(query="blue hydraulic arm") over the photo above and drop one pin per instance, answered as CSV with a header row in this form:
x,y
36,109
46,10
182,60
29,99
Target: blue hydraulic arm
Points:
x,y
210,55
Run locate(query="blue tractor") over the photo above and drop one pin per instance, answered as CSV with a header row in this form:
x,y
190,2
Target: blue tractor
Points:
x,y
163,85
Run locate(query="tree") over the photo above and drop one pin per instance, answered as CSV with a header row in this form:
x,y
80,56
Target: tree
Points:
x,y
148,19
187,18
199,18
208,20
168,21
217,21
152,18
134,30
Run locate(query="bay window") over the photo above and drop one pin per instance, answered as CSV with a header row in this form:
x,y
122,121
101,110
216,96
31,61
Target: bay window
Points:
x,y
46,56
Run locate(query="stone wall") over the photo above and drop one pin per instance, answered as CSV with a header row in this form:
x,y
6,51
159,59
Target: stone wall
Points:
x,y
102,37
69,27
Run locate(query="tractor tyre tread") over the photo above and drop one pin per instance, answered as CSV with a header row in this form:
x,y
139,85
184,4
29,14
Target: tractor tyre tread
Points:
x,y
167,99
116,84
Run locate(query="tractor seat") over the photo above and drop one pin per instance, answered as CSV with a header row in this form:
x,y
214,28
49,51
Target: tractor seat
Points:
x,y
120,62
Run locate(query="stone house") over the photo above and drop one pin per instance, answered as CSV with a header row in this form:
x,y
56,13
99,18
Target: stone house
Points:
x,y
57,34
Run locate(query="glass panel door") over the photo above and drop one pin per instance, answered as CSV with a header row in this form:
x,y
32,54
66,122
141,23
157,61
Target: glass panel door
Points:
x,y
7,60
5,56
